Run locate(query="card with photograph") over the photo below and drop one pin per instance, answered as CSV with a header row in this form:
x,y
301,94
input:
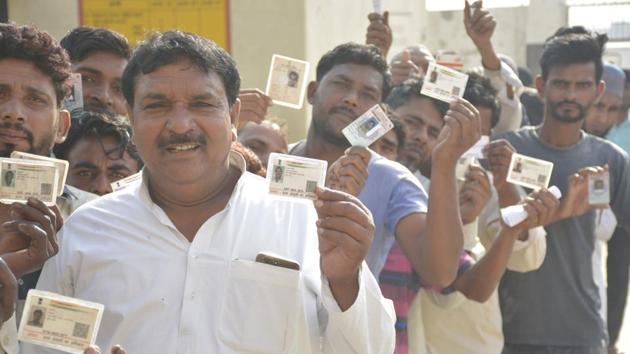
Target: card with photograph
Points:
x,y
287,81
59,322
368,127
74,101
62,166
22,179
529,172
377,6
599,189
295,177
443,83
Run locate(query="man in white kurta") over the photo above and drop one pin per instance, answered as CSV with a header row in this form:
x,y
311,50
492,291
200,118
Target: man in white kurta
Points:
x,y
172,256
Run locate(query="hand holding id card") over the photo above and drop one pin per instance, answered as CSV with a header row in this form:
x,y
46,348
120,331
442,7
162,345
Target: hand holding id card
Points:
x,y
443,83
287,81
22,179
529,172
295,177
368,127
59,322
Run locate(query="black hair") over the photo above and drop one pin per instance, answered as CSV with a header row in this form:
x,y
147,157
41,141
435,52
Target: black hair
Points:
x,y
32,44
479,92
83,41
99,124
411,87
573,45
162,49
353,53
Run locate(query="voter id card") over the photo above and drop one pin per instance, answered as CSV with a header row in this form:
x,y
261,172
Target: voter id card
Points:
x,y
368,127
599,189
74,101
124,182
295,177
62,166
529,172
287,81
443,83
59,322
23,179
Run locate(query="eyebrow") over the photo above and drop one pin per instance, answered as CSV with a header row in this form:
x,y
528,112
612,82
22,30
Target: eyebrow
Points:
x,y
118,167
89,69
154,96
85,164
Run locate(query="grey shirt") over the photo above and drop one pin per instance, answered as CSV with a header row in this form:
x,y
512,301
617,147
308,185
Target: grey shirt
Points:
x,y
557,305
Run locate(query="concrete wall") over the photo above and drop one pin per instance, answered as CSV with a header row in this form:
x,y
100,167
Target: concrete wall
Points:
x,y
55,16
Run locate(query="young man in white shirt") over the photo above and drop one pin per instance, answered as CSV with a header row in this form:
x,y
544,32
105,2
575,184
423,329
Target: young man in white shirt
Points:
x,y
172,256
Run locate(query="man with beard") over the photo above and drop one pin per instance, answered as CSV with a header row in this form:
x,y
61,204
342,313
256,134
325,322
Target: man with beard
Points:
x,y
351,79
203,224
605,112
555,309
33,74
100,56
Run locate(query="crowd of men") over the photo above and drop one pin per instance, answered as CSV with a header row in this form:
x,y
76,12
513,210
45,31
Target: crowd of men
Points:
x,y
171,256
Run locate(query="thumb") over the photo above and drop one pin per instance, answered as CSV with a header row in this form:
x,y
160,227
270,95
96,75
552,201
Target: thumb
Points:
x,y
466,11
405,56
386,18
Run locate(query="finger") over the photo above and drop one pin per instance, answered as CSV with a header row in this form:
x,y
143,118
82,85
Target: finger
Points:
x,y
58,217
466,12
478,16
350,185
335,203
329,239
43,208
117,349
36,233
30,214
386,18
405,56
342,225
532,213
483,22
92,349
364,153
354,170
9,290
379,35
488,27
374,16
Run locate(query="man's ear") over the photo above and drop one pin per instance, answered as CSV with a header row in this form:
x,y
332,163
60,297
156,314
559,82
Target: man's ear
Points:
x,y
63,126
540,86
601,89
235,112
311,89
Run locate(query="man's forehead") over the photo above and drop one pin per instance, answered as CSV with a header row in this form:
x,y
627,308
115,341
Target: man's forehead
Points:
x,y
26,74
573,72
365,74
170,78
420,108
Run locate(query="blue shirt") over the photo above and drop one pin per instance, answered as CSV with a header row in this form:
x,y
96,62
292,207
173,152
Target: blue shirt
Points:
x,y
391,192
620,135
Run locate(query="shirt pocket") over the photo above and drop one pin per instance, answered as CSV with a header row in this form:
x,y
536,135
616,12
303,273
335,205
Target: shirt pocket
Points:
x,y
260,308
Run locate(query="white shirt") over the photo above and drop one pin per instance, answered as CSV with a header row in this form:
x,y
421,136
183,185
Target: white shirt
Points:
x,y
454,324
164,294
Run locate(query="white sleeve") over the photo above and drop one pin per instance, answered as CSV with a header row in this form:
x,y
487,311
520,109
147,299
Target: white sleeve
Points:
x,y
366,327
511,108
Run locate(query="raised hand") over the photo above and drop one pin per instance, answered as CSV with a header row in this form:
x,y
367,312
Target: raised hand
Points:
x,y
479,23
349,173
379,33
474,194
462,129
404,68
254,106
575,202
345,229
541,206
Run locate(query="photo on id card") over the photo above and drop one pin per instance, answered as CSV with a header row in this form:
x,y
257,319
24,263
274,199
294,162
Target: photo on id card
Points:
x,y
74,101
287,81
368,127
599,189
59,322
295,177
23,179
443,83
529,172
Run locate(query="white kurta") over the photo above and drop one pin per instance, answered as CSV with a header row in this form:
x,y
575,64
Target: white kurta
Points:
x,y
164,294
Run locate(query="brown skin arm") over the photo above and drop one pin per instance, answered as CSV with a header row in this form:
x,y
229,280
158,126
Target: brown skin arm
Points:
x,y
480,281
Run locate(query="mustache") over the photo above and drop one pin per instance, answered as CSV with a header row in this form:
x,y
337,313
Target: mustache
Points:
x,y
344,110
183,139
18,127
